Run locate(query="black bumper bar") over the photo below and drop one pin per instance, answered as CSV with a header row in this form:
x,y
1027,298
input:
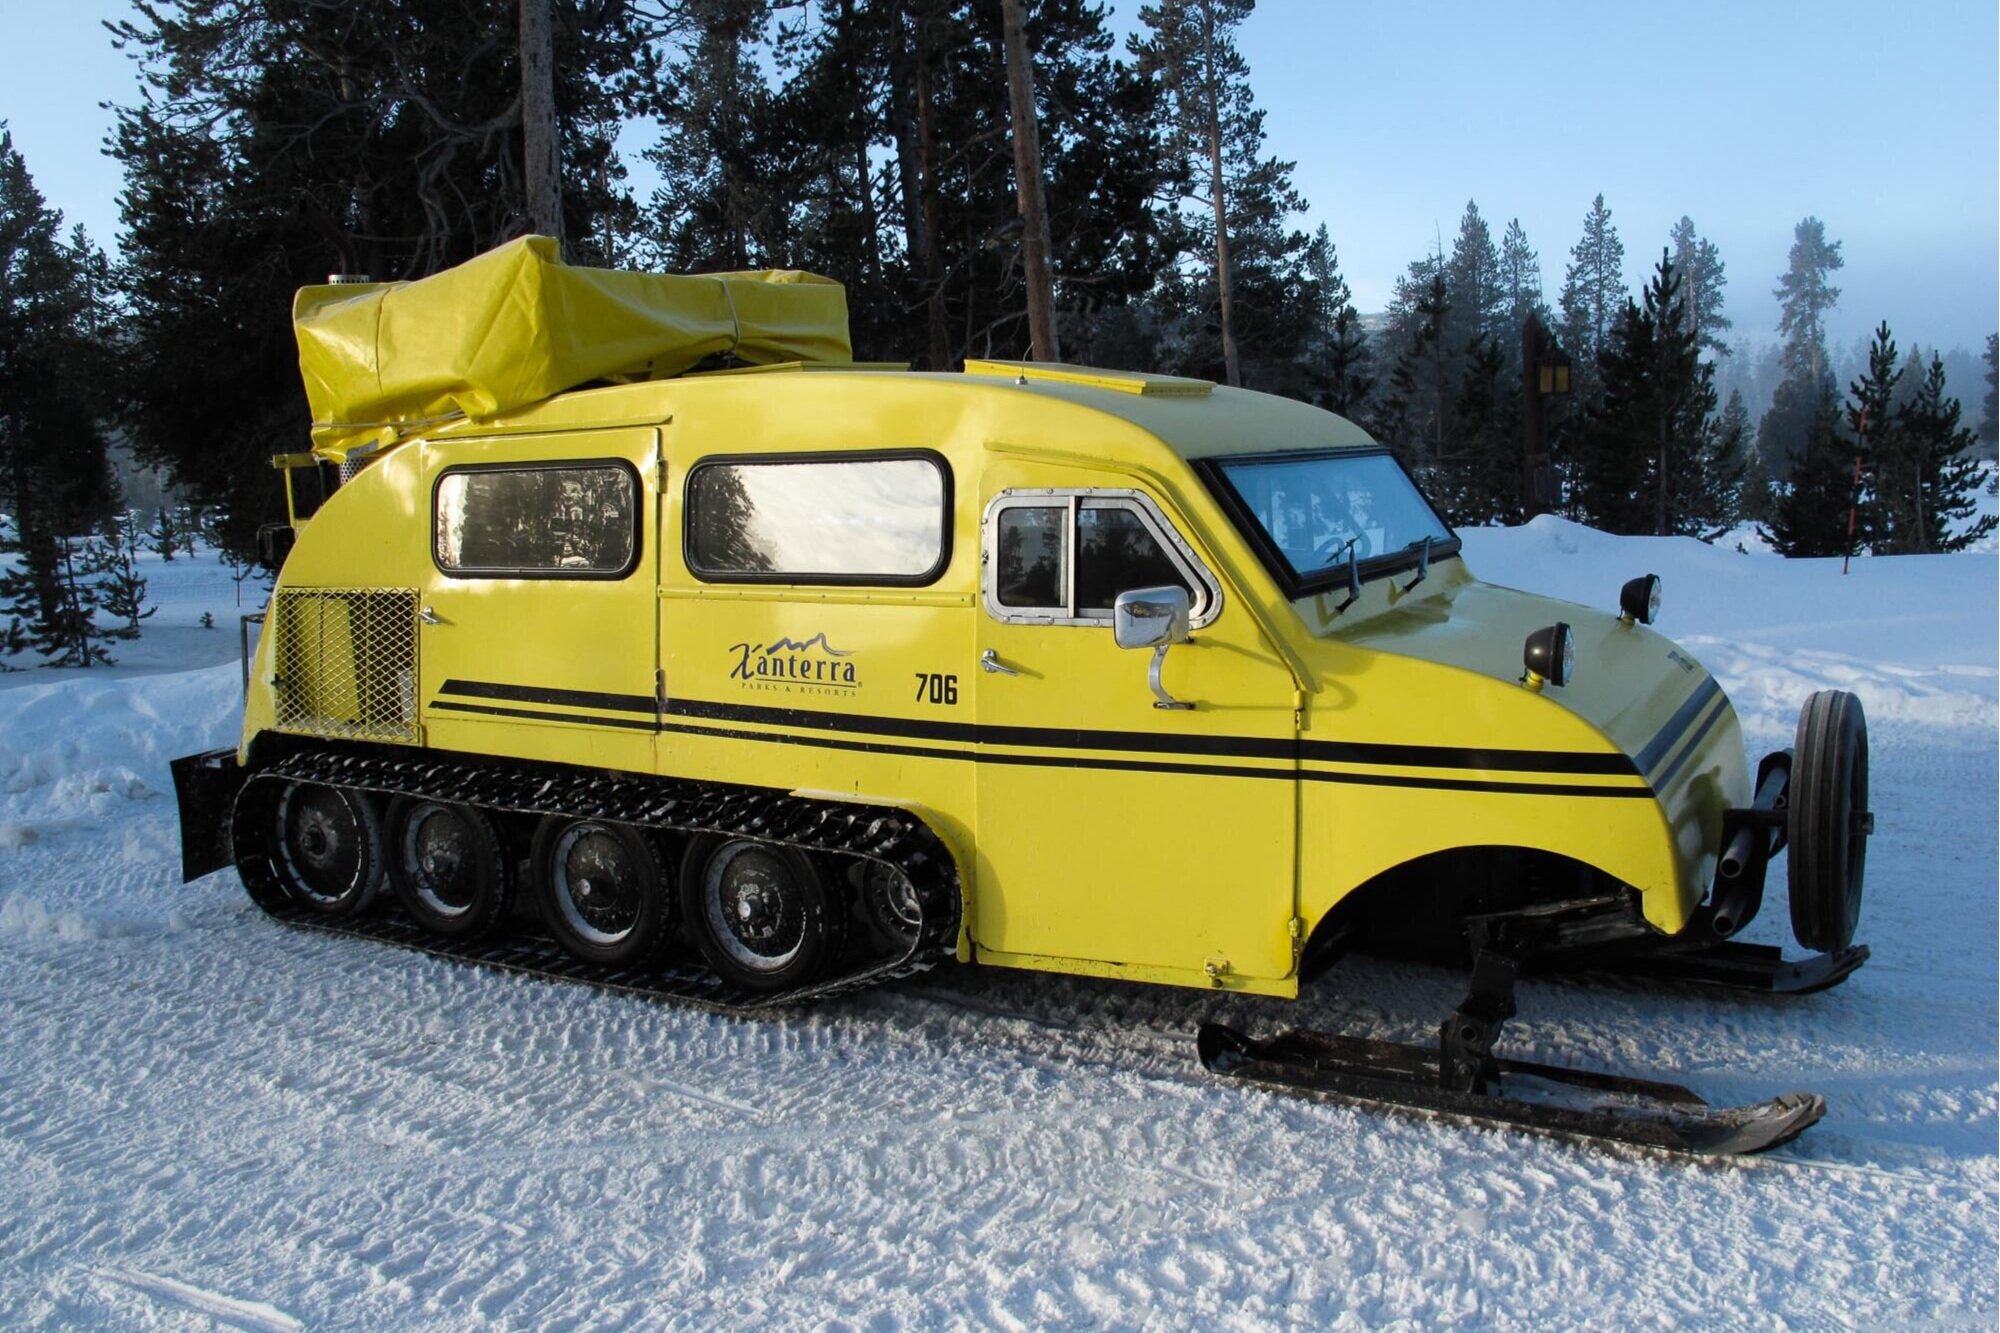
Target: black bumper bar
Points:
x,y
205,787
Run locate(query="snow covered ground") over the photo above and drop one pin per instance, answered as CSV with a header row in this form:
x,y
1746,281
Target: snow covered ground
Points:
x,y
209,1120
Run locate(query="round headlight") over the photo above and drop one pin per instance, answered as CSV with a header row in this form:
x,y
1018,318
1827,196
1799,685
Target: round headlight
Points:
x,y
1640,599
1551,654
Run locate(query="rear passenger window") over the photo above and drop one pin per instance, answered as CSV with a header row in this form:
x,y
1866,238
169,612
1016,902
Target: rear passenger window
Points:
x,y
826,518
1064,558
554,520
1033,567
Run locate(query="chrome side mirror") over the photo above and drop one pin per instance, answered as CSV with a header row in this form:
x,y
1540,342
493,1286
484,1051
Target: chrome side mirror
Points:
x,y
1155,618
1150,617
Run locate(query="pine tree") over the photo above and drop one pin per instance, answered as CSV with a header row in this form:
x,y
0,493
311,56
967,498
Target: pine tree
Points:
x,y
1932,471
1415,416
1520,279
1805,296
63,633
1702,281
1593,294
121,588
1478,478
1716,490
1809,513
1234,204
1875,421
1651,430
1989,414
164,535
1480,300
53,471
1341,345
276,143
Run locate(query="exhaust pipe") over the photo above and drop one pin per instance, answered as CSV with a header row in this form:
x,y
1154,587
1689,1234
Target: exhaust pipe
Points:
x,y
1759,833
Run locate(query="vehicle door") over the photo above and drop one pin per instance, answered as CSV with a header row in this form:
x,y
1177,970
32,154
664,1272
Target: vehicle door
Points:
x,y
1154,842
539,630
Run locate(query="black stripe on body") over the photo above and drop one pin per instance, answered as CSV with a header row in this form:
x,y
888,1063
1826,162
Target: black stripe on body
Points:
x,y
1060,760
1662,743
535,694
1142,742
1701,734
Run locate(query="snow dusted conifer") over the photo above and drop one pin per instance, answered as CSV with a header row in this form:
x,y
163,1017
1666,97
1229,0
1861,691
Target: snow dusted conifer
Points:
x,y
121,588
1344,360
1989,418
1593,294
1932,471
1479,297
1520,278
1809,511
1702,282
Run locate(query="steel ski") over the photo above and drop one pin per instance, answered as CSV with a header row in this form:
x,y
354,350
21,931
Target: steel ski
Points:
x,y
1532,1096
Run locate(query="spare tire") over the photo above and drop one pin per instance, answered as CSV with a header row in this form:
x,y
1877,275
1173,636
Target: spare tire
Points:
x,y
1829,822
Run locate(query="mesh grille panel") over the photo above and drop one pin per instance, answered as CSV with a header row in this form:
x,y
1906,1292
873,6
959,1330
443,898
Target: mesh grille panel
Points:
x,y
347,662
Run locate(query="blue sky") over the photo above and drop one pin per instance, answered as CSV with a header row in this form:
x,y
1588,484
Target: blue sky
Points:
x,y
1745,116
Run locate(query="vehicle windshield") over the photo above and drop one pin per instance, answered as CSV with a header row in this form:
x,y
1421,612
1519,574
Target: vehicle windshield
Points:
x,y
1311,508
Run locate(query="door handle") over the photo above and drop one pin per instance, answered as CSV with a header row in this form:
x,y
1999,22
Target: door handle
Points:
x,y
990,661
430,617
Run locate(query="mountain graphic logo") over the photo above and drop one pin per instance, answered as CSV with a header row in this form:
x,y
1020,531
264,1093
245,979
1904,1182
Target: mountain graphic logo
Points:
x,y
812,661
785,645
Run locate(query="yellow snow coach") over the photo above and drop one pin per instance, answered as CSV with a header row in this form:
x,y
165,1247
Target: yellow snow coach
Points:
x,y
751,684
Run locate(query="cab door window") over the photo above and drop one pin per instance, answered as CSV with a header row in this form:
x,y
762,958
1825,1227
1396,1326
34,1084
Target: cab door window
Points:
x,y
1062,557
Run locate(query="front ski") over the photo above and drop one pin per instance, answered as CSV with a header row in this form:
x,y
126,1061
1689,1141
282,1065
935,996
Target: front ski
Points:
x,y
1762,968
1540,1097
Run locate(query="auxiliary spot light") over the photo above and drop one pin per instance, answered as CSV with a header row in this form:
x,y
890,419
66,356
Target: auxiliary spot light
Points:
x,y
1550,656
1640,600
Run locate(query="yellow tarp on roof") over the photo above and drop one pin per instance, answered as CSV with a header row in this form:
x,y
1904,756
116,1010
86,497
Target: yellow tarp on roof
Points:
x,y
517,325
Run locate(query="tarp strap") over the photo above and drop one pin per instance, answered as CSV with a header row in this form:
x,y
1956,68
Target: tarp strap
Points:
x,y
735,321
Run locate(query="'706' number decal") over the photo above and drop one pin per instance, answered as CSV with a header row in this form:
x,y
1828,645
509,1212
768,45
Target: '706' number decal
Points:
x,y
935,688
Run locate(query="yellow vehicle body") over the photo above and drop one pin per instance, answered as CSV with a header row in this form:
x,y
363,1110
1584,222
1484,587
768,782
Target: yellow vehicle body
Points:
x,y
1095,833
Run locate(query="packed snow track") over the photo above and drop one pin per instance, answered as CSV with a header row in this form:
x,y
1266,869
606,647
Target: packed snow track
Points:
x,y
210,1120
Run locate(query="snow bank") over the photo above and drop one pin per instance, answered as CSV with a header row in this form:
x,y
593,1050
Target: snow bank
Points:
x,y
1913,636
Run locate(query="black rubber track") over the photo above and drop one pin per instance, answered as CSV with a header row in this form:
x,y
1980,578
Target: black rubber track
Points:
x,y
888,837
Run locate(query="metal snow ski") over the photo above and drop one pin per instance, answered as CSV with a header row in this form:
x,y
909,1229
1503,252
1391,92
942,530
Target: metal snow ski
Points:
x,y
1530,1095
1461,1075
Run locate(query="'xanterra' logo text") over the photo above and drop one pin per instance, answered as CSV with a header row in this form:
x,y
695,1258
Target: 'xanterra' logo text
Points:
x,y
786,661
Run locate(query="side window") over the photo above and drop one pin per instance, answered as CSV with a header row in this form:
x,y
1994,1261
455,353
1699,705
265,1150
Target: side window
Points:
x,y
538,520
1116,553
827,518
1033,568
1063,558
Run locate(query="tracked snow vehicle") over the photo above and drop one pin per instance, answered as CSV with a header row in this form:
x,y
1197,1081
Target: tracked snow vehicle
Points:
x,y
753,684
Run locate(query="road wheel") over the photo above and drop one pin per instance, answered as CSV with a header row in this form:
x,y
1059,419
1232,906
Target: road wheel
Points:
x,y
759,912
326,848
446,864
1829,820
604,891
889,901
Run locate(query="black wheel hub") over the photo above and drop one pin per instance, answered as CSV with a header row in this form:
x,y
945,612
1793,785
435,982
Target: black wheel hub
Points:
x,y
320,842
441,849
759,907
601,882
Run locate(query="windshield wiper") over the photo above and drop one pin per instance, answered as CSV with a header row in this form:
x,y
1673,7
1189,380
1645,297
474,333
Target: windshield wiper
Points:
x,y
1423,562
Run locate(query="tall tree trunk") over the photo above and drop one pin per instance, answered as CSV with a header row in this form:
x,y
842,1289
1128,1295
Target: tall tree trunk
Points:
x,y
1028,187
940,339
541,144
1660,492
903,60
1231,365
